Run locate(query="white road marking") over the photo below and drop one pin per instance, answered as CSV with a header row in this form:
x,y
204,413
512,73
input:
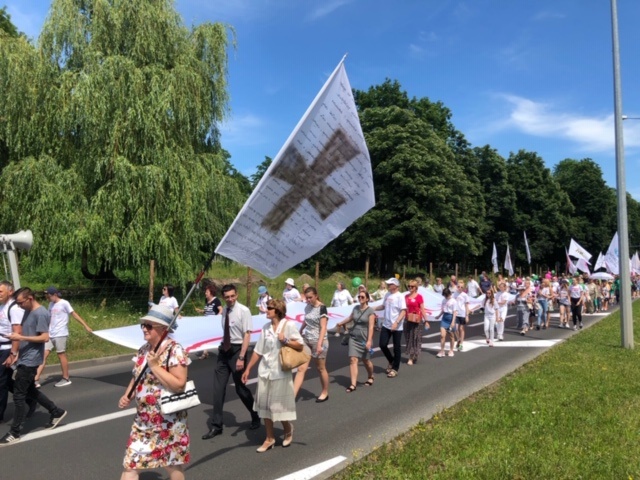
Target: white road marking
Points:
x,y
473,344
80,424
310,472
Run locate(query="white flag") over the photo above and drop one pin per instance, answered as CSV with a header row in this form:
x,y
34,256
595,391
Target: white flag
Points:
x,y
526,244
635,264
319,183
571,267
507,262
494,259
575,250
583,266
612,258
599,262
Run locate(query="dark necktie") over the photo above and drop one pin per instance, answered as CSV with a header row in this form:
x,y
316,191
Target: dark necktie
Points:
x,y
226,340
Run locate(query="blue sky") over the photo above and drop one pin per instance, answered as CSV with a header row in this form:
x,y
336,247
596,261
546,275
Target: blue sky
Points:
x,y
533,75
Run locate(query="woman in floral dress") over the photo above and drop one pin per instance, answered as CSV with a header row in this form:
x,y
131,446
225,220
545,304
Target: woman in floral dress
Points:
x,y
157,440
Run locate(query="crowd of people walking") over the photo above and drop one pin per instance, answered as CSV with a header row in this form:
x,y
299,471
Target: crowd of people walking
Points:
x,y
159,439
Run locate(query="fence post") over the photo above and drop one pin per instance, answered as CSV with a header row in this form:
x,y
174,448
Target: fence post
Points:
x,y
317,275
431,273
152,274
366,274
248,287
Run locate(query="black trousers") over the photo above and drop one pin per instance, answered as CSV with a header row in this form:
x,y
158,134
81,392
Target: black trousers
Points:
x,y
23,387
396,336
225,368
5,380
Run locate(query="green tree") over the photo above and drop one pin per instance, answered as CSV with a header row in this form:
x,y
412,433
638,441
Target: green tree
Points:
x,y
427,207
594,216
499,196
260,171
113,142
6,26
543,210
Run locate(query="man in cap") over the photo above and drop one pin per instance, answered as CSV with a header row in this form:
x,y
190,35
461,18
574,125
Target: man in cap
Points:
x,y
59,310
395,309
35,332
291,293
232,359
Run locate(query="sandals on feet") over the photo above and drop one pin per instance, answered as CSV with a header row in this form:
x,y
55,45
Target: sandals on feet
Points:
x,y
369,382
389,368
392,374
352,388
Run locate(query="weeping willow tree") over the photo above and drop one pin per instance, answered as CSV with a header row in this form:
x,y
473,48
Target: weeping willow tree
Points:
x,y
109,145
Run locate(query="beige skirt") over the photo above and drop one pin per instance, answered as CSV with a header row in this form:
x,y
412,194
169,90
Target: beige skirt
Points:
x,y
274,399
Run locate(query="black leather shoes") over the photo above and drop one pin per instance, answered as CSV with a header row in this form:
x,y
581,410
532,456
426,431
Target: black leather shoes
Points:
x,y
255,424
214,432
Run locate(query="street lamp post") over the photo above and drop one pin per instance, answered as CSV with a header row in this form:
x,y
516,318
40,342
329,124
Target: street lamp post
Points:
x,y
626,318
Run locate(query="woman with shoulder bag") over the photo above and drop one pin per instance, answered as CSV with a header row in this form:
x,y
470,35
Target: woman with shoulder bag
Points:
x,y
361,339
274,400
416,315
157,439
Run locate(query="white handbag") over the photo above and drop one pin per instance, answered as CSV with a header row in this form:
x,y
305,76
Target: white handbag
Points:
x,y
171,402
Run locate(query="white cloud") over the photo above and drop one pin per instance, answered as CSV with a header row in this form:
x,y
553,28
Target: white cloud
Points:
x,y
548,15
245,130
326,8
589,133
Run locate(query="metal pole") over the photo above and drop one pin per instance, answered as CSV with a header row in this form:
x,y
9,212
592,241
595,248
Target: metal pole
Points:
x,y
626,320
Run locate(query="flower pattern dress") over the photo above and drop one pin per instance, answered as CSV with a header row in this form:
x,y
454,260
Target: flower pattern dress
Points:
x,y
156,440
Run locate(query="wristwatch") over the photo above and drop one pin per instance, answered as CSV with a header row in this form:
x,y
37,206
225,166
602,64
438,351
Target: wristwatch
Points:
x,y
241,357
15,354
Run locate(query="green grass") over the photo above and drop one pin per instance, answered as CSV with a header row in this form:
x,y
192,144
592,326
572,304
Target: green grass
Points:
x,y
574,412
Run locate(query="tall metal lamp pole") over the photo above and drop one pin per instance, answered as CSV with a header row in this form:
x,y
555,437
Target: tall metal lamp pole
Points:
x,y
626,318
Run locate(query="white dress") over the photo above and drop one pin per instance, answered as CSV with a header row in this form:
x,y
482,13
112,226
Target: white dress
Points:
x,y
274,397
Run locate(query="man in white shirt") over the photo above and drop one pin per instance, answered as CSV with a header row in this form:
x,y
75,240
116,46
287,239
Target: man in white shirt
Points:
x,y
10,321
395,310
473,287
233,353
59,310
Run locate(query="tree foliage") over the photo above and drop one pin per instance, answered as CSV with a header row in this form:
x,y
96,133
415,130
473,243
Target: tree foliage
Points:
x,y
112,147
439,200
6,25
426,186
582,181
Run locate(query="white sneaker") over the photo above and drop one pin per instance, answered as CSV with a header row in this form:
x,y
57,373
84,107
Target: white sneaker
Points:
x,y
490,343
500,338
63,382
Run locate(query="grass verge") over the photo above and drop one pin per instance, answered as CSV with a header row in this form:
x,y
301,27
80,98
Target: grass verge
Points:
x,y
571,413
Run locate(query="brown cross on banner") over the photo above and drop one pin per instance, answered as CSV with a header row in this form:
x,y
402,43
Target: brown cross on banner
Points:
x,y
309,181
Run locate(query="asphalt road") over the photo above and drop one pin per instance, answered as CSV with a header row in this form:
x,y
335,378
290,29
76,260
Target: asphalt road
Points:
x,y
90,443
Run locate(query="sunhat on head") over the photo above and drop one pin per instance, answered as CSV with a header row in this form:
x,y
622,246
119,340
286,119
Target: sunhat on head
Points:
x,y
262,289
393,281
289,281
159,314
